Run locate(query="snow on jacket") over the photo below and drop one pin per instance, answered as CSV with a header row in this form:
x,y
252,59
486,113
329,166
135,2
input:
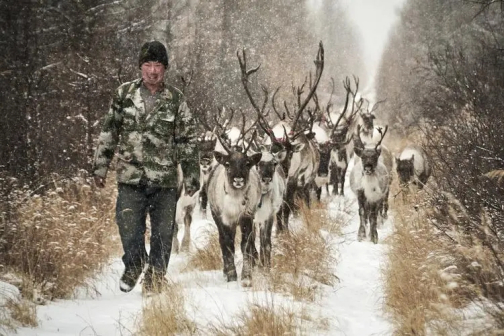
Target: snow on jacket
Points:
x,y
151,144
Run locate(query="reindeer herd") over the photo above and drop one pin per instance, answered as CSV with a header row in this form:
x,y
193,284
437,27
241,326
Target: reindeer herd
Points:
x,y
252,176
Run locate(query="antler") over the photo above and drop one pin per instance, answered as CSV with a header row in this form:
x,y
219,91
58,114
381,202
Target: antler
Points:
x,y
263,123
382,136
319,65
376,105
357,139
281,117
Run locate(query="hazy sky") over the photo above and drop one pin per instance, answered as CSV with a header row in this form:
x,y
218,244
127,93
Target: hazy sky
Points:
x,y
374,18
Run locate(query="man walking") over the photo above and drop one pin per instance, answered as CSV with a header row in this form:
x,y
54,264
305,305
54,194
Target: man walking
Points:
x,y
150,123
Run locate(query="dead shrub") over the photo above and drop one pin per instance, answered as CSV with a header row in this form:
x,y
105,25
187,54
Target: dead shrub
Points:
x,y
267,317
60,239
165,314
304,260
427,282
22,311
209,257
15,313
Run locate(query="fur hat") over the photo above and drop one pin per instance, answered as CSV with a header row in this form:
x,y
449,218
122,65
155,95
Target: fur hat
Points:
x,y
153,51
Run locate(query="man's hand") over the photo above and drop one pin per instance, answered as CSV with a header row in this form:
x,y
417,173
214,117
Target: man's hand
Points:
x,y
99,181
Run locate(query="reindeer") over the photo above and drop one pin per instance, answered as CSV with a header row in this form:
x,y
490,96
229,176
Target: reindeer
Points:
x,y
301,163
336,154
234,192
186,201
273,186
369,131
369,180
413,166
206,146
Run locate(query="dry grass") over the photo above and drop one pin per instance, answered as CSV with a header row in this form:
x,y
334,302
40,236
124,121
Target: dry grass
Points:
x,y
268,317
17,313
427,277
23,311
60,240
303,261
497,175
209,257
165,314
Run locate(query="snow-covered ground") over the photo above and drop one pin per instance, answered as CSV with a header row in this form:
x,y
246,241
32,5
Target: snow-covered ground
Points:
x,y
352,307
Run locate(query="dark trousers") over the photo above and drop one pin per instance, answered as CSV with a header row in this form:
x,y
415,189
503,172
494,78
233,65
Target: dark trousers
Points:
x,y
134,202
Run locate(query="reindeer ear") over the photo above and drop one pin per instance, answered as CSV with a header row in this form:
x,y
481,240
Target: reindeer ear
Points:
x,y
310,135
281,155
221,158
372,116
358,151
255,158
298,147
412,158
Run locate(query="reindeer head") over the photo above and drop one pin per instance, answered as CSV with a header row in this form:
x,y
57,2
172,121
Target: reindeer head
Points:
x,y
206,145
237,165
267,166
367,120
368,155
405,169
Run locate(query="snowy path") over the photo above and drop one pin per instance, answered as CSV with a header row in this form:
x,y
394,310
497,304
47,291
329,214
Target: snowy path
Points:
x,y
356,302
352,307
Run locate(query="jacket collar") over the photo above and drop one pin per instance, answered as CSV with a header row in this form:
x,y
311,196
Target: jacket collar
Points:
x,y
136,97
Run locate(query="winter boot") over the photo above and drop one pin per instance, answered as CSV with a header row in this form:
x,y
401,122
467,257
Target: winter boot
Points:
x,y
129,278
154,281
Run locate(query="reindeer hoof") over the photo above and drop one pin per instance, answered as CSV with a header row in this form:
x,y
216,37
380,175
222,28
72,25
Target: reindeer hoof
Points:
x,y
184,248
361,235
231,276
374,238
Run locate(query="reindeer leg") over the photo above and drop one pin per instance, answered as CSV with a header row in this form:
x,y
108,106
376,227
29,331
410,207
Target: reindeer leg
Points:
x,y
342,179
287,207
175,242
307,193
226,241
266,243
334,180
385,206
255,254
204,201
362,215
186,240
280,218
247,241
319,193
373,221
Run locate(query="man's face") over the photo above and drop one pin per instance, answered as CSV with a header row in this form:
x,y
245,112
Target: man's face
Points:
x,y
153,73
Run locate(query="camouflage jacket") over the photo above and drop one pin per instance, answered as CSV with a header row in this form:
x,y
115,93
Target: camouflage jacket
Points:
x,y
149,144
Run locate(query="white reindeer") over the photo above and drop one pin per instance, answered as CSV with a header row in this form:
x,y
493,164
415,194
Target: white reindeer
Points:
x,y
234,192
413,166
369,180
187,199
273,186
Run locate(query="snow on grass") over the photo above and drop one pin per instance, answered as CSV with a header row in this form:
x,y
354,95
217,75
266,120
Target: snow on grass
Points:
x,y
352,307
